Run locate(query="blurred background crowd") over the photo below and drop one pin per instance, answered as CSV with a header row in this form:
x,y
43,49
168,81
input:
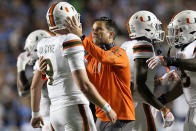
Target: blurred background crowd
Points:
x,y
20,17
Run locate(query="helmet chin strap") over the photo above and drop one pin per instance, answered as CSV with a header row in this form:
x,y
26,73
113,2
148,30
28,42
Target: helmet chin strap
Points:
x,y
106,46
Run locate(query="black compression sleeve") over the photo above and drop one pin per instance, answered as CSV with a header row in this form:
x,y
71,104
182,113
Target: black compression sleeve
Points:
x,y
172,61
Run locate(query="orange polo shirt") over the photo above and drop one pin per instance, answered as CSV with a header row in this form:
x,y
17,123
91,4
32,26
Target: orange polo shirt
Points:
x,y
109,71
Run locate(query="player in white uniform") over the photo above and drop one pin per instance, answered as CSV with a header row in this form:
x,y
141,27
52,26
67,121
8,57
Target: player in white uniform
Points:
x,y
23,84
68,84
144,29
182,35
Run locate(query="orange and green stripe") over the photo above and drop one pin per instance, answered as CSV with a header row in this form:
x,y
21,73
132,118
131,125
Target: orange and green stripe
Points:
x,y
84,117
72,43
142,48
149,118
51,18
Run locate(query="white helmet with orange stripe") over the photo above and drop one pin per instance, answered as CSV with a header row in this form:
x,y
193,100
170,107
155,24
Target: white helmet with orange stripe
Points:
x,y
182,28
57,14
145,24
32,41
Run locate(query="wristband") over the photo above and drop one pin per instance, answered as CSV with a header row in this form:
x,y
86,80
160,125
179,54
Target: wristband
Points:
x,y
172,61
106,108
35,114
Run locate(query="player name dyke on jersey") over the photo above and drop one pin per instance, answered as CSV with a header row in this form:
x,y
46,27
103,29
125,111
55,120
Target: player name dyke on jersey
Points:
x,y
46,49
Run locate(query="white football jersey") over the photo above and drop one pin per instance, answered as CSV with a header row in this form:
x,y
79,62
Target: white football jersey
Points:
x,y
64,54
140,49
190,91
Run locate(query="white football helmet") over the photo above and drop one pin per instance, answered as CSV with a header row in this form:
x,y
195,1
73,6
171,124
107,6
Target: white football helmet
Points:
x,y
182,28
31,43
145,24
57,14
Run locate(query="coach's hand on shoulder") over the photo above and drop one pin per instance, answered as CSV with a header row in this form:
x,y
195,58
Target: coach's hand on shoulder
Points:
x,y
168,118
74,27
112,116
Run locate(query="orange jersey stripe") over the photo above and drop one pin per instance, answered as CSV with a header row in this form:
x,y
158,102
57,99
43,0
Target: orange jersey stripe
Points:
x,y
72,43
51,18
71,46
142,51
142,46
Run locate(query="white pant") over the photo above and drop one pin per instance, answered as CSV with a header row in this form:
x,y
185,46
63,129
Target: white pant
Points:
x,y
190,122
73,118
45,113
144,118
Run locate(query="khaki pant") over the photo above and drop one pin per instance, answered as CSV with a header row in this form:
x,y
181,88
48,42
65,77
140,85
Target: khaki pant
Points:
x,y
120,125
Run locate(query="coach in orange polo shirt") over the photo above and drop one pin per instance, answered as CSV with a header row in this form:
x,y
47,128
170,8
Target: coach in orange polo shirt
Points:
x,y
109,70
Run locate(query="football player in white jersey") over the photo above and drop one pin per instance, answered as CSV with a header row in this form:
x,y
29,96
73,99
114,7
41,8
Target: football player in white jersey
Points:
x,y
144,29
68,84
29,56
182,35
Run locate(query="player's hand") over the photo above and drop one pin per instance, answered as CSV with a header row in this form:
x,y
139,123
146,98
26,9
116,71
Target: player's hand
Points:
x,y
167,78
73,26
42,65
112,116
22,61
155,61
168,118
37,122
